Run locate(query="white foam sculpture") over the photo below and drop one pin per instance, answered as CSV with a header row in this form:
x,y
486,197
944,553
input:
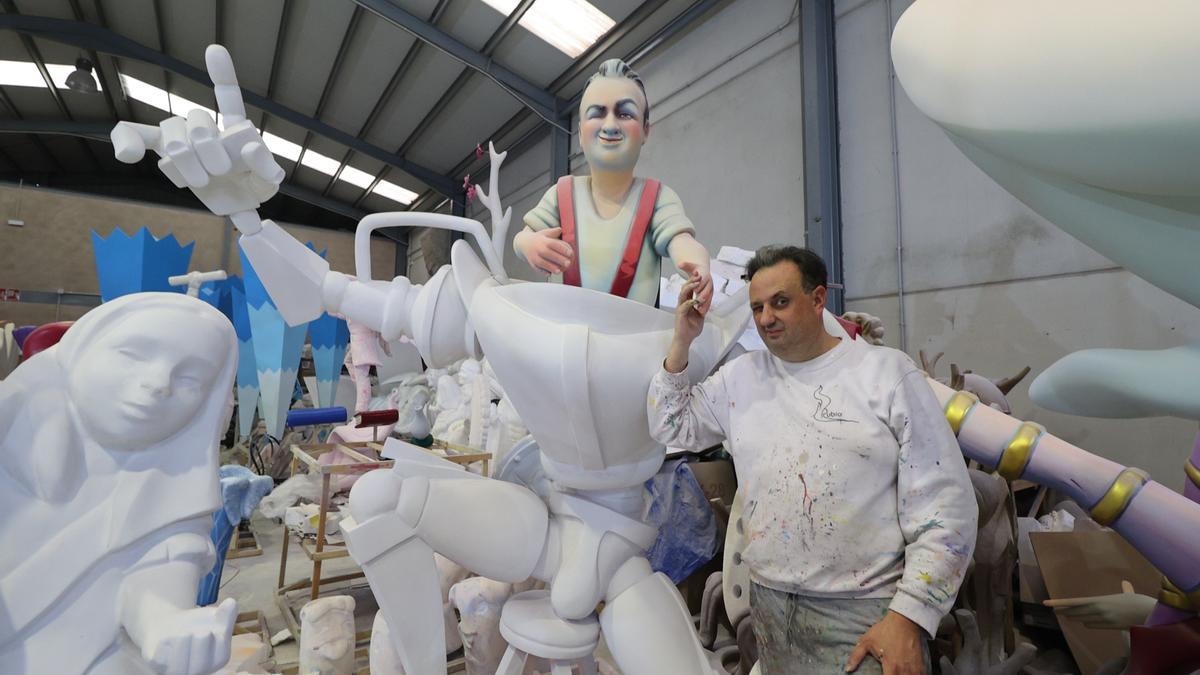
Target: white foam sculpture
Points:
x,y
1047,100
576,365
479,602
108,479
327,636
10,351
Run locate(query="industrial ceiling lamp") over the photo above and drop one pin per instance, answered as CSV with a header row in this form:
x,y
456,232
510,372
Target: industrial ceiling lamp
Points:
x,y
82,80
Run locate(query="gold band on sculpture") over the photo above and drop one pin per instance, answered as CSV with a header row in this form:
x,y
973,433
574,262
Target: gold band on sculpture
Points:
x,y
1171,596
1118,496
1192,472
1016,454
957,408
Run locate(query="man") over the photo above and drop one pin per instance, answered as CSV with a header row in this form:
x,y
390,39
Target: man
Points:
x,y
859,512
609,231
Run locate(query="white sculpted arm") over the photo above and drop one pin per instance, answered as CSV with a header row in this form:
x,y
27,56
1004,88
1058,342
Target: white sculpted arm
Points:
x,y
158,606
232,172
935,503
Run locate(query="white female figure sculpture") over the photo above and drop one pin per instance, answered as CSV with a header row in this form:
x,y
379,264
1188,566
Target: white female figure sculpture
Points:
x,y
108,479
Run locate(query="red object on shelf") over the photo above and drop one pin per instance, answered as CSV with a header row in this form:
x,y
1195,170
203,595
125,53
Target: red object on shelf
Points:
x,y
376,418
44,337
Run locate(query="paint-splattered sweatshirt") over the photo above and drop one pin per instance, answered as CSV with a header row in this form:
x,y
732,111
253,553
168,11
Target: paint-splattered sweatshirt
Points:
x,y
854,484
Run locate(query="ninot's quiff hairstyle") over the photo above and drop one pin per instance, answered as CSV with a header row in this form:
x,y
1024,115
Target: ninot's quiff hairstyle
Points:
x,y
618,68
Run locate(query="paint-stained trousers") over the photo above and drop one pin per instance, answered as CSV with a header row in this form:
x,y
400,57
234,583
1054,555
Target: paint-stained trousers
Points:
x,y
800,635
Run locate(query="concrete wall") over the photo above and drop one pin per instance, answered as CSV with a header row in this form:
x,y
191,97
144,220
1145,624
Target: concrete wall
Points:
x,y
986,280
54,248
725,131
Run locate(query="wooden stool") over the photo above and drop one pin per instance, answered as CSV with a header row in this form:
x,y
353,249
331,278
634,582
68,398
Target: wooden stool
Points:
x,y
531,627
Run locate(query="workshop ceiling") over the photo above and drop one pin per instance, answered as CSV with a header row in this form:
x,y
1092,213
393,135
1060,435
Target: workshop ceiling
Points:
x,y
369,105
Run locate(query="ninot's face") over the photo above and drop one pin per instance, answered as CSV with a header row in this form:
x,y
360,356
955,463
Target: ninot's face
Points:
x,y
139,383
612,129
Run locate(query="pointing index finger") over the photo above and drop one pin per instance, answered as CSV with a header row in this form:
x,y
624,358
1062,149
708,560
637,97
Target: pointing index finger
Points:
x,y
225,85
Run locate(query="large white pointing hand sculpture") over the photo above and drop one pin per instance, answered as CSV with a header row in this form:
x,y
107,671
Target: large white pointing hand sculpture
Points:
x,y
231,170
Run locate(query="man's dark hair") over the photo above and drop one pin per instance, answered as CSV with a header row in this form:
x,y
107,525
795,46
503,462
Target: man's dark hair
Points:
x,y
812,268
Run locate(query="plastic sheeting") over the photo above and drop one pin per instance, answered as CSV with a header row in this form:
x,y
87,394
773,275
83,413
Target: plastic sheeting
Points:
x,y
688,535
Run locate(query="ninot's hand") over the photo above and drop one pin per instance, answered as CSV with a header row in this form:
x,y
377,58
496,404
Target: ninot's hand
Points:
x,y
546,251
192,642
229,169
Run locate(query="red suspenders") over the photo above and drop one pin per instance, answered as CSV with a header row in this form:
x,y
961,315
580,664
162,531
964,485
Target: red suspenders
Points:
x,y
633,246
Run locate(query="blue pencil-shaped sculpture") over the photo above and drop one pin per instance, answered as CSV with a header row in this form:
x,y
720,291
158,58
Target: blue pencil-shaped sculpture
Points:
x,y
139,263
247,368
277,348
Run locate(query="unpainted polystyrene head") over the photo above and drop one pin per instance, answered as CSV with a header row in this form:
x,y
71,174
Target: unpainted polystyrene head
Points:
x,y
141,368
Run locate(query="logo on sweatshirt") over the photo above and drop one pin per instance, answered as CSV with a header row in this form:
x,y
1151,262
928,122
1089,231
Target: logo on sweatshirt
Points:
x,y
823,413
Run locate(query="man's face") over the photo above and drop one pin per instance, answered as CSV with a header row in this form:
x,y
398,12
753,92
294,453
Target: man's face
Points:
x,y
612,123
788,319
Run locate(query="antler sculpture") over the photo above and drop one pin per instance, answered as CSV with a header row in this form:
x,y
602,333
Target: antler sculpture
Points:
x,y
491,199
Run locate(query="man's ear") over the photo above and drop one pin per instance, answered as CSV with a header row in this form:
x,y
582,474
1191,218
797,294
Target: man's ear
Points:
x,y
819,297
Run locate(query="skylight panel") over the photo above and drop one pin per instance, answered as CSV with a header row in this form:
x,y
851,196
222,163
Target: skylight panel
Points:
x,y
146,93
394,192
570,26
182,106
357,177
281,146
20,74
319,162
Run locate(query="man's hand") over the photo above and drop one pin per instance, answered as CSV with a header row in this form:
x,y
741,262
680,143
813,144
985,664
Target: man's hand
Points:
x,y
546,251
1119,611
689,323
704,290
230,170
896,642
